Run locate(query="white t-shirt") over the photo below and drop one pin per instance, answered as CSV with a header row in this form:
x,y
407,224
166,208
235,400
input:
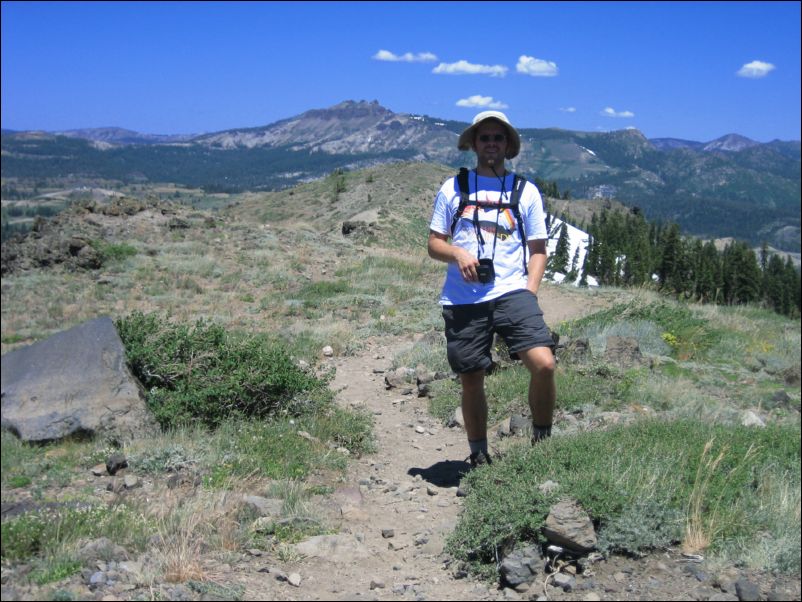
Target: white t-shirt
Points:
x,y
508,258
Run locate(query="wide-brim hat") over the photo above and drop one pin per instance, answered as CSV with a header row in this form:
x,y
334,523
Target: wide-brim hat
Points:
x,y
513,139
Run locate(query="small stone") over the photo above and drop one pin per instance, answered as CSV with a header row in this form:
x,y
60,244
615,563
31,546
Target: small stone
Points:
x,y
294,579
376,584
388,533
565,582
328,351
99,470
97,579
746,590
116,462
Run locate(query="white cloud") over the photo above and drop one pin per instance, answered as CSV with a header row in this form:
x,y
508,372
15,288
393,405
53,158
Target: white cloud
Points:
x,y
568,109
466,68
529,65
610,112
421,57
755,69
481,101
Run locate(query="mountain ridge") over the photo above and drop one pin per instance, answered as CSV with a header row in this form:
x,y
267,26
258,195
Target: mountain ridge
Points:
x,y
731,186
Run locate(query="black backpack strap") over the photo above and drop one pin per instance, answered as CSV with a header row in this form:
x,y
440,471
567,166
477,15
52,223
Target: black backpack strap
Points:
x,y
518,184
462,184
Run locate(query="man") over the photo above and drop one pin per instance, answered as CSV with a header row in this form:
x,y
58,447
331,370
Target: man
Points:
x,y
498,293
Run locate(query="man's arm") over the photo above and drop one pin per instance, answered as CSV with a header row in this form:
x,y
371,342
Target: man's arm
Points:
x,y
441,250
537,263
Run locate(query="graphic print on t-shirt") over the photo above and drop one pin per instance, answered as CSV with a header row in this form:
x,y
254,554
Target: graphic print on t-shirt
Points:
x,y
489,215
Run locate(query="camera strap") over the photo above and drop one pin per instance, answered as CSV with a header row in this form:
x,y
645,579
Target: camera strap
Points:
x,y
476,226
519,182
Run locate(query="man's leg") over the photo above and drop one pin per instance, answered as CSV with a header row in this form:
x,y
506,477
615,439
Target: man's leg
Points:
x,y
542,390
474,405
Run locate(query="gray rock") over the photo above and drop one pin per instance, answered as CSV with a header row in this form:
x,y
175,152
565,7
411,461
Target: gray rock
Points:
x,y
116,462
457,419
563,581
401,378
521,566
623,351
102,549
263,506
747,590
575,350
75,382
569,526
97,579
520,425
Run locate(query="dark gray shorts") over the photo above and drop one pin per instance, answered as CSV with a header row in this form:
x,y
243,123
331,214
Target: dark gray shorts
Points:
x,y
470,329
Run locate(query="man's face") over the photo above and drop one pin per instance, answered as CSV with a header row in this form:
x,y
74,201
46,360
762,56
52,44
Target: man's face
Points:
x,y
490,143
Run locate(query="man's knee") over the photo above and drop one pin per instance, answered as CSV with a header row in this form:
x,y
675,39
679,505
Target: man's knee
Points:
x,y
541,361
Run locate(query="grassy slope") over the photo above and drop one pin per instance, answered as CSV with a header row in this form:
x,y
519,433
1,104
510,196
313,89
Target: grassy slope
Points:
x,y
278,263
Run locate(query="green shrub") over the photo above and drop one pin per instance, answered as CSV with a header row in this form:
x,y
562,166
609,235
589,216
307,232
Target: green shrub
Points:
x,y
690,335
202,373
113,251
638,483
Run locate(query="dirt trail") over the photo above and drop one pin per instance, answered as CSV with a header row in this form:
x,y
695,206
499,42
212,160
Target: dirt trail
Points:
x,y
398,505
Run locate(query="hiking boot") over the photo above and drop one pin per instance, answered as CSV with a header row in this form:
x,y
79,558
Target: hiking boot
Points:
x,y
480,458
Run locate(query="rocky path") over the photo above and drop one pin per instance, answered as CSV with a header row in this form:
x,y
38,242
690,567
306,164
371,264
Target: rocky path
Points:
x,y
396,507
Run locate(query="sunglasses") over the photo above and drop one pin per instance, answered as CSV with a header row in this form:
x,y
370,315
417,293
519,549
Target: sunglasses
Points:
x,y
494,138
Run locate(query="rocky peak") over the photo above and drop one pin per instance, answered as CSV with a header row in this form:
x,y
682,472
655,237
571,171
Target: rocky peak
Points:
x,y
730,143
351,109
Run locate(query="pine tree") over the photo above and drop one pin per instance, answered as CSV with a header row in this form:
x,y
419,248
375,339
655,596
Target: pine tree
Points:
x,y
669,270
572,274
559,260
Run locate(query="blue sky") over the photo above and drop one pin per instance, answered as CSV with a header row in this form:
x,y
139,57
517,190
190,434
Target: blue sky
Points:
x,y
692,70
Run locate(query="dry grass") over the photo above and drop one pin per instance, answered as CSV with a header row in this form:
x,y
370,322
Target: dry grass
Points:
x,y
704,515
187,527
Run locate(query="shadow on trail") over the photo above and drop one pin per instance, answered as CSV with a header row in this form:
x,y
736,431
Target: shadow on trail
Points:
x,y
442,474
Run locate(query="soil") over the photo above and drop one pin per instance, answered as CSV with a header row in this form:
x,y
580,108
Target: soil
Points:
x,y
409,488
394,510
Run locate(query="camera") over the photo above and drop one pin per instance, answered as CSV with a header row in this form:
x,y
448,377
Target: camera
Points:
x,y
486,271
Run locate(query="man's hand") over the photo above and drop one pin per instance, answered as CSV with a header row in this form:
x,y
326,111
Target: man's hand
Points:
x,y
442,250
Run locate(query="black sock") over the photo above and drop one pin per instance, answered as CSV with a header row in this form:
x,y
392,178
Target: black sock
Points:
x,y
477,446
540,432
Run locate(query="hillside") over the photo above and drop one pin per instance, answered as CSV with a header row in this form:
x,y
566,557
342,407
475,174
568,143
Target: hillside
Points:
x,y
307,507
731,186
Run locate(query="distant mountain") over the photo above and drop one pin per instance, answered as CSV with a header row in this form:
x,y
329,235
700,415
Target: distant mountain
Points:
x,y
120,136
731,186
674,143
347,128
730,143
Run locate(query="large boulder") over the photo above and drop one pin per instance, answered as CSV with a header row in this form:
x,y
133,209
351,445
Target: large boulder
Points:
x,y
569,526
75,382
